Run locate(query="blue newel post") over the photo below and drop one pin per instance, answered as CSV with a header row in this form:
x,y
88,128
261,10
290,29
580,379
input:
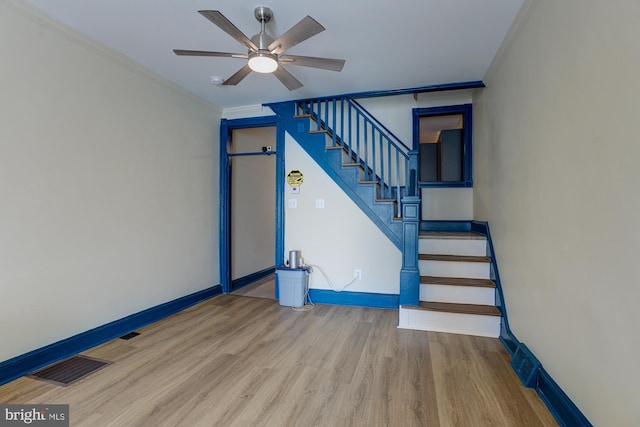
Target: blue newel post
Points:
x,y
410,275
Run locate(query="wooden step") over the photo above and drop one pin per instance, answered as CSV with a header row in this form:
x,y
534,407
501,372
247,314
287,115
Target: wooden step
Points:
x,y
456,318
369,182
302,116
457,281
325,131
448,307
451,235
353,164
453,258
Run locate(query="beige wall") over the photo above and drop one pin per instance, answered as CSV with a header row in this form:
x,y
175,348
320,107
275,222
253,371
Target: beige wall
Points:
x,y
106,176
396,114
557,177
338,238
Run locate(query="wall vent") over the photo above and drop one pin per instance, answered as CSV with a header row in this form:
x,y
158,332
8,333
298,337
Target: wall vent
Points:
x,y
526,365
70,370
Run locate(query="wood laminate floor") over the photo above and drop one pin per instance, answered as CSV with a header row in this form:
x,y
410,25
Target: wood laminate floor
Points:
x,y
263,288
237,361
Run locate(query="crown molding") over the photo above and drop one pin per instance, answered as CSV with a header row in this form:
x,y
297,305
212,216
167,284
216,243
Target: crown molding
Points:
x,y
36,16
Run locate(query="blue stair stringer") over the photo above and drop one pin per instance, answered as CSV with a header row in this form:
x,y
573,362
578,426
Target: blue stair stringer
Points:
x,y
347,177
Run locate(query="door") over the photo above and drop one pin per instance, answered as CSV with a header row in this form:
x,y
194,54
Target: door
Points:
x,y
253,200
251,212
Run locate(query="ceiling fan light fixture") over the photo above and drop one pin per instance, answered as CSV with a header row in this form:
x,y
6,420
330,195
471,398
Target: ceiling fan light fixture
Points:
x,y
263,62
263,52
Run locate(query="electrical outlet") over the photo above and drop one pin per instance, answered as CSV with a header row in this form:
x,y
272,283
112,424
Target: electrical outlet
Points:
x,y
293,203
357,274
319,203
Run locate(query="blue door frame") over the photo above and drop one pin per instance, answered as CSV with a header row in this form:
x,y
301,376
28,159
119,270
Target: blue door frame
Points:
x,y
227,126
466,111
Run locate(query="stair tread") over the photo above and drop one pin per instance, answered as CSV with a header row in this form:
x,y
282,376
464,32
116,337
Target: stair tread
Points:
x,y
386,200
457,258
353,164
451,235
449,307
369,182
302,116
457,281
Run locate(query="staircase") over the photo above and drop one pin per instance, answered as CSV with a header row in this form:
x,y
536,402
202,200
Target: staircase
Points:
x,y
456,292
445,280
358,153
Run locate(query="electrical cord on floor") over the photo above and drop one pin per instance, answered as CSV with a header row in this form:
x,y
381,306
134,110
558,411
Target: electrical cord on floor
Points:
x,y
309,305
329,282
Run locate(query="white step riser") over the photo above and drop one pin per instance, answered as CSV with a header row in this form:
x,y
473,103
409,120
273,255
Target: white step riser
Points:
x,y
452,247
472,270
457,294
455,323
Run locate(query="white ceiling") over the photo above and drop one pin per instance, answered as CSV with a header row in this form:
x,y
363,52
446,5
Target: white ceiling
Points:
x,y
386,44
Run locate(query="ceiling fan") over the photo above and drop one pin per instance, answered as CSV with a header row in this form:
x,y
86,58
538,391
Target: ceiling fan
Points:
x,y
264,53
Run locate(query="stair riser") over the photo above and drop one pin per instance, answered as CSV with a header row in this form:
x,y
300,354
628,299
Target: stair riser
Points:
x,y
366,192
457,294
453,247
455,323
474,270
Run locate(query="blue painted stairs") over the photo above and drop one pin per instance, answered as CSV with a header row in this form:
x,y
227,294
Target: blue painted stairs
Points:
x,y
345,171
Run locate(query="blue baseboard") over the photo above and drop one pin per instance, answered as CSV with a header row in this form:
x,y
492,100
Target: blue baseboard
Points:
x,y
356,299
509,341
558,403
562,408
251,278
36,359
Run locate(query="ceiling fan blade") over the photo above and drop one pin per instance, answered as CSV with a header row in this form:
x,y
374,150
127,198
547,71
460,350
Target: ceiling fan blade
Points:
x,y
225,25
312,61
183,52
238,76
300,32
287,78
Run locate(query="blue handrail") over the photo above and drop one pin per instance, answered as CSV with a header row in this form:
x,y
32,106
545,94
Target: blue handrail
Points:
x,y
380,125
